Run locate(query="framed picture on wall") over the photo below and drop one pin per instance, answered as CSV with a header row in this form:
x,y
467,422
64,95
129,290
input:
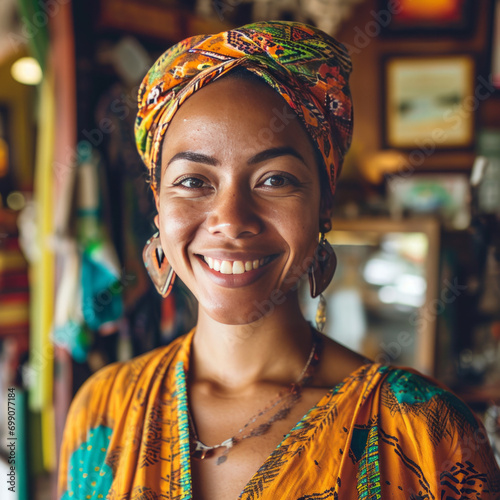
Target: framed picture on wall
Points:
x,y
428,101
439,17
444,195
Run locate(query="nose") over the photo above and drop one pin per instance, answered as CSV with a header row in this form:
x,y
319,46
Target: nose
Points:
x,y
234,214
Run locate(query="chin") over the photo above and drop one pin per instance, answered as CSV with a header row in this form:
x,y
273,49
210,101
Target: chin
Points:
x,y
229,314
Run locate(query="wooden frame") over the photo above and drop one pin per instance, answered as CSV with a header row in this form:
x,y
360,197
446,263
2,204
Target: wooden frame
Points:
x,y
408,17
428,100
425,326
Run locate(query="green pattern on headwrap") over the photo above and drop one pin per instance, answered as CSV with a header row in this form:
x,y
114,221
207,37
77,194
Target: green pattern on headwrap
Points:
x,y
307,67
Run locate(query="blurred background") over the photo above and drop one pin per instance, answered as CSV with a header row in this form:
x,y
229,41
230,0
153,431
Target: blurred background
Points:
x,y
416,224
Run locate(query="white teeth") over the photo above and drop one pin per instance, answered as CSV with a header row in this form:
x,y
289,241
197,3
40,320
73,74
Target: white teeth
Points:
x,y
238,267
235,267
226,267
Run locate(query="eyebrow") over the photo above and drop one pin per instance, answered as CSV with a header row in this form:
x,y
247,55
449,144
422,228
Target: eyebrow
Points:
x,y
194,157
268,154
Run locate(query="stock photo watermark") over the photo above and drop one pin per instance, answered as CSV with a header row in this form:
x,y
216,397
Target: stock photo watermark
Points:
x,y
39,20
11,439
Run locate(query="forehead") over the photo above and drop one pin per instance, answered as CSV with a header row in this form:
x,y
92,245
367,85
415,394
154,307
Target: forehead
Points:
x,y
231,91
235,110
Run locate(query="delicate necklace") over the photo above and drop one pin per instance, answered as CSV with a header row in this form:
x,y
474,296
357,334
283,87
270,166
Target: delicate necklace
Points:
x,y
289,397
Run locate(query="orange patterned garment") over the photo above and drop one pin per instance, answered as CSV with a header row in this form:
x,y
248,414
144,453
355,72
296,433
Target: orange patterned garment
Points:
x,y
383,433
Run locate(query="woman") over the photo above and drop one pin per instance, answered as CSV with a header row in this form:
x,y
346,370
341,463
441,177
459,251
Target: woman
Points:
x,y
244,134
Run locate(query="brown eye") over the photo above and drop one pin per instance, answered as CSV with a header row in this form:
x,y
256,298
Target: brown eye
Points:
x,y
277,181
191,183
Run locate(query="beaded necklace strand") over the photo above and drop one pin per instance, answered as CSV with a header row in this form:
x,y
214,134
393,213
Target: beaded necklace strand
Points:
x,y
289,397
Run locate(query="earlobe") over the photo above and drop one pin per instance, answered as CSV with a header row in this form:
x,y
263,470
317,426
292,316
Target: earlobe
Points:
x,y
325,221
325,225
156,194
157,221
325,215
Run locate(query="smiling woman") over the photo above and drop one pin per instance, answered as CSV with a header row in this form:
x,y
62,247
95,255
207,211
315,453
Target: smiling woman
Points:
x,y
244,134
235,201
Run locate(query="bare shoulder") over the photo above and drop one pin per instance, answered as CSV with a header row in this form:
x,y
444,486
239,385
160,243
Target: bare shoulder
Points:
x,y
337,362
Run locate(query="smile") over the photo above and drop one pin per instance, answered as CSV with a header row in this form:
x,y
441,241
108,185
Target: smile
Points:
x,y
236,266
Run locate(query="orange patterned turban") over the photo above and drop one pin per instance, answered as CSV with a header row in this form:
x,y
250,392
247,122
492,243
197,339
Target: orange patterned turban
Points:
x,y
307,67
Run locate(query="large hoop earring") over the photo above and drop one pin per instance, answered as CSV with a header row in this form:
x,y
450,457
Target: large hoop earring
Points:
x,y
160,271
323,267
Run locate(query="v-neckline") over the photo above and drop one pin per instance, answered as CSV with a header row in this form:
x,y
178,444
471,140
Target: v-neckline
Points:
x,y
184,431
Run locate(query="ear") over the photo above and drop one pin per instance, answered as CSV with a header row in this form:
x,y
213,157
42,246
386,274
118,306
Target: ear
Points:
x,y
325,213
157,205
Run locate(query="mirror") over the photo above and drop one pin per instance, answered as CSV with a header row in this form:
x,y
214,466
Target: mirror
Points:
x,y
382,299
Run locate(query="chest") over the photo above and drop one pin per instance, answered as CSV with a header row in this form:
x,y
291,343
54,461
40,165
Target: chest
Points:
x,y
227,480
212,479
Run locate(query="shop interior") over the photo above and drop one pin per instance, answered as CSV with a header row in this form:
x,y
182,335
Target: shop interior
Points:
x,y
416,225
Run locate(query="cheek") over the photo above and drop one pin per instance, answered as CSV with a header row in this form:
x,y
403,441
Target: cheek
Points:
x,y
298,226
301,219
177,227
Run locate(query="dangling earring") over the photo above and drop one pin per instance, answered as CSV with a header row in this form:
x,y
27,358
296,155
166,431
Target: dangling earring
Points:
x,y
323,268
320,274
159,270
321,313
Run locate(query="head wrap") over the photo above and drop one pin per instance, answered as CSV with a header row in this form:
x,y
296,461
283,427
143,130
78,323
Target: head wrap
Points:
x,y
307,67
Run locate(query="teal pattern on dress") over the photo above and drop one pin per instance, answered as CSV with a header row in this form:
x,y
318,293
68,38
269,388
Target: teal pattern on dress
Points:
x,y
368,484
358,442
411,389
181,393
89,477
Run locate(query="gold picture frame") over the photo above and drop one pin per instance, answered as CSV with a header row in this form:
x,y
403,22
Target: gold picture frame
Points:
x,y
429,102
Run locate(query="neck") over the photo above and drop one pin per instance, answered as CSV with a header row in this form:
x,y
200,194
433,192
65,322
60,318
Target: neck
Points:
x,y
234,357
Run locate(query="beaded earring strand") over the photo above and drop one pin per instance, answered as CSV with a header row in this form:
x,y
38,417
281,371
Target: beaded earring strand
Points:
x,y
289,397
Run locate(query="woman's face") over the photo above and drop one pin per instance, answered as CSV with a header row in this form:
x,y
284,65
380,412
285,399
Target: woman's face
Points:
x,y
239,199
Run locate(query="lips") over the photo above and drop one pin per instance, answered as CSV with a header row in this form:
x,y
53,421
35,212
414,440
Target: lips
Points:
x,y
236,266
235,273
